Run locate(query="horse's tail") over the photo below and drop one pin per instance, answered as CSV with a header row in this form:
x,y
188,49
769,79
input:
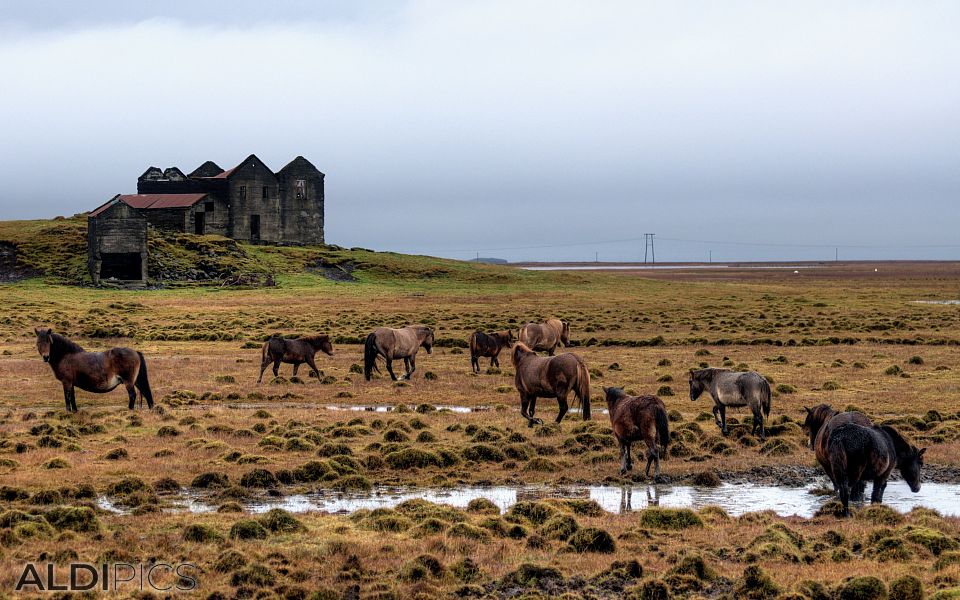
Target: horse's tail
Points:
x,y
765,400
143,382
474,343
583,388
370,356
663,427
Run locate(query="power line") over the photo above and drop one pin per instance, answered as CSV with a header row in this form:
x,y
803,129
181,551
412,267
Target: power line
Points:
x,y
715,242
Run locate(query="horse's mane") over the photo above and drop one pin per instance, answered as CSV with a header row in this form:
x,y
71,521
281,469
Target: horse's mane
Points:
x,y
63,345
314,339
518,349
899,443
615,393
708,372
821,412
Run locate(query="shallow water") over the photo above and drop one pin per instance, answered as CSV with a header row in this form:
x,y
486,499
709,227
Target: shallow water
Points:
x,y
942,302
736,499
386,408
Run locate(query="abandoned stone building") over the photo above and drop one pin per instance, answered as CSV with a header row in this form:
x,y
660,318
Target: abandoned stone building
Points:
x,y
249,202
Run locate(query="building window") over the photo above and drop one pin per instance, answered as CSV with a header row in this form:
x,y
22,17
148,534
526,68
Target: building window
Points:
x,y
243,192
300,185
208,207
266,193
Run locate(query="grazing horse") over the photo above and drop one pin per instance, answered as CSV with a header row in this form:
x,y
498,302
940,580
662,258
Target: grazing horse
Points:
x,y
546,336
297,351
97,372
396,343
858,453
489,344
549,377
638,418
733,388
820,422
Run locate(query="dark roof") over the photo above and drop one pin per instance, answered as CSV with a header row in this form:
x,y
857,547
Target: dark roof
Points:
x,y
151,201
207,169
225,174
299,161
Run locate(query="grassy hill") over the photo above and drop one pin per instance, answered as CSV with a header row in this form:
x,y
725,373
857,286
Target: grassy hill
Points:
x,y
57,250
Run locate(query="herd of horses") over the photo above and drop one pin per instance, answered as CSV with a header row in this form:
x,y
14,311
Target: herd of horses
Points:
x,y
849,447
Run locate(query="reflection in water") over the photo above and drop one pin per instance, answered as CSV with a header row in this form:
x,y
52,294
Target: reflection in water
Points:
x,y
736,499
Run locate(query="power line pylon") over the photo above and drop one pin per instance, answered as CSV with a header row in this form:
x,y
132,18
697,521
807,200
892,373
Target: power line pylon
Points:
x,y
648,248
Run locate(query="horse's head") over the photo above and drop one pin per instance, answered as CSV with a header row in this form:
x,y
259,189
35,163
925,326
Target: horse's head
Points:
x,y
565,332
519,351
510,339
613,394
44,342
427,340
325,345
815,419
697,386
910,465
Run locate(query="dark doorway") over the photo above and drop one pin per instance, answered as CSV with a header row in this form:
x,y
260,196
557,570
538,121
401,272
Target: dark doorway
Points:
x,y
125,266
199,223
254,228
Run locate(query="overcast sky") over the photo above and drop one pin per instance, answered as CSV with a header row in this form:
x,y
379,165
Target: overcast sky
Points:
x,y
451,127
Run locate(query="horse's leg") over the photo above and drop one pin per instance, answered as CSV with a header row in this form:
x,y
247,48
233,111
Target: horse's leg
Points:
x,y
551,350
843,489
723,419
858,490
67,390
716,416
474,362
263,367
276,368
758,422
623,458
73,399
562,402
390,368
312,363
495,361
533,409
296,367
132,393
411,365
879,486
652,458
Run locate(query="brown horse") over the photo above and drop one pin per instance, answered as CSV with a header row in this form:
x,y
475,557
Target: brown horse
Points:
x,y
396,343
297,351
97,372
820,422
858,453
552,377
489,344
546,336
638,418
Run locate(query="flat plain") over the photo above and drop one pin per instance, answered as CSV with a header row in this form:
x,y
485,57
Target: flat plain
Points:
x,y
876,337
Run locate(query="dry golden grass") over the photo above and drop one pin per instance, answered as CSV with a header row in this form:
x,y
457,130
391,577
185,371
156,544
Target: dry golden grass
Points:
x,y
215,418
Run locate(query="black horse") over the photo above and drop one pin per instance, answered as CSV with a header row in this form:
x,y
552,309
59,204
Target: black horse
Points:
x,y
859,453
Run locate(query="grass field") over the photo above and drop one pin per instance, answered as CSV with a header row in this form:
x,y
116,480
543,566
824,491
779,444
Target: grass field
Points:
x,y
842,334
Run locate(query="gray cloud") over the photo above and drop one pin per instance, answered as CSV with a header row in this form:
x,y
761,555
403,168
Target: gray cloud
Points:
x,y
446,128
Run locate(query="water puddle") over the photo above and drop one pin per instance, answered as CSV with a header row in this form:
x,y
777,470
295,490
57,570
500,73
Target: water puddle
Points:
x,y
735,498
939,302
389,408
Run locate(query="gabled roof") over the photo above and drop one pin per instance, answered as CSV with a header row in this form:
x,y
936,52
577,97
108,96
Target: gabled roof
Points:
x,y
225,174
152,201
207,169
299,162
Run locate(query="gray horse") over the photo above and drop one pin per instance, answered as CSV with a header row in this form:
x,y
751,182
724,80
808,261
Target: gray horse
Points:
x,y
733,388
396,343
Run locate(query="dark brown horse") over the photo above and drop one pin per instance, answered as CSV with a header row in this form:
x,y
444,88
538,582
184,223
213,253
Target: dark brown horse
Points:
x,y
489,344
97,372
296,351
550,377
859,453
638,418
546,336
820,422
396,343
733,388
